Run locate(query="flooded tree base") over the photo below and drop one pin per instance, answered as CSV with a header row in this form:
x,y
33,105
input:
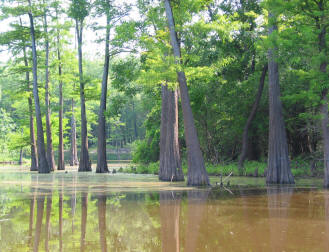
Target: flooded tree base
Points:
x,y
73,211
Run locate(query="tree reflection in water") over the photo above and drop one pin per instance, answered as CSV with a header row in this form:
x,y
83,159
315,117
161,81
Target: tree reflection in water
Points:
x,y
195,213
278,201
169,213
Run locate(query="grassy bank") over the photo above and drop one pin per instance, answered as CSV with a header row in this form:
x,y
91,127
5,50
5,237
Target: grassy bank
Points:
x,y
299,168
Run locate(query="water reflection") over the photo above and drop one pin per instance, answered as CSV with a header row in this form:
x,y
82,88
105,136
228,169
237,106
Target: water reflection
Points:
x,y
278,198
170,204
54,215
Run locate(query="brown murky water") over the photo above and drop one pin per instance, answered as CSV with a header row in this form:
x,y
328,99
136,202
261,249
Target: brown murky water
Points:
x,y
94,212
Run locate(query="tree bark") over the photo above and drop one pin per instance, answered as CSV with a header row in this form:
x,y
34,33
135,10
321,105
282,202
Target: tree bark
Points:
x,y
324,106
170,163
43,164
250,119
197,174
74,150
278,170
101,149
34,157
84,164
50,151
61,164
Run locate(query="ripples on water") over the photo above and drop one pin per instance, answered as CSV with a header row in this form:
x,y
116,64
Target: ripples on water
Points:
x,y
92,212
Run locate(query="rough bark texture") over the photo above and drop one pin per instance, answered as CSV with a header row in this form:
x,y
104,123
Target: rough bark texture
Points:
x,y
84,164
324,106
278,170
34,158
43,164
169,214
250,119
74,150
197,174
50,151
325,135
61,164
101,202
101,149
170,162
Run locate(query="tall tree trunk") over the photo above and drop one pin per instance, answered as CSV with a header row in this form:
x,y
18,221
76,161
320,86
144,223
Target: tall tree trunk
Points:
x,y
101,203
324,106
74,150
20,161
101,149
197,174
170,163
43,164
34,157
50,151
250,119
34,153
278,170
135,122
61,164
84,164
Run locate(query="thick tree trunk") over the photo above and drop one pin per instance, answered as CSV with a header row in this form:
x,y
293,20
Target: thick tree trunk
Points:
x,y
324,106
278,170
84,164
74,150
250,119
101,150
34,154
43,164
197,174
34,158
170,163
325,135
50,151
61,164
101,203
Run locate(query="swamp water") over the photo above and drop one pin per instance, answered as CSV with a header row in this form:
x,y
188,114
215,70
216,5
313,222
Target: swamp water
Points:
x,y
96,212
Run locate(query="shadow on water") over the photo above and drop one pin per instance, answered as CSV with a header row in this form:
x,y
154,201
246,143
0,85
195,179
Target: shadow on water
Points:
x,y
58,213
